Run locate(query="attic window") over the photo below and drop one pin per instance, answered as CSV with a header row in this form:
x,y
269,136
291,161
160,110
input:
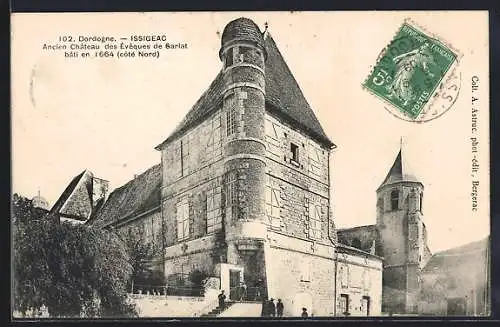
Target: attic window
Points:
x,y
294,149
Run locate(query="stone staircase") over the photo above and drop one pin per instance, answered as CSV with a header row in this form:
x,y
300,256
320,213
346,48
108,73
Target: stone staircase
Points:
x,y
236,309
217,311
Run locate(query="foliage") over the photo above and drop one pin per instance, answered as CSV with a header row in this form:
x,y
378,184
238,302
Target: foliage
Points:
x,y
23,210
140,255
72,270
196,277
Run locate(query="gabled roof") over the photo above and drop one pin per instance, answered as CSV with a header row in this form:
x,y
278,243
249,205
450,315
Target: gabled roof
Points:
x,y
283,97
137,196
76,200
399,172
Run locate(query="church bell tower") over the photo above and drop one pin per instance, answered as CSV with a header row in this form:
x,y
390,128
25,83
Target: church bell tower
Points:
x,y
402,236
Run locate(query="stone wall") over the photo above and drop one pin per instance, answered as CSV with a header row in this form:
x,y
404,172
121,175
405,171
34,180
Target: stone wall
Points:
x,y
302,274
297,190
359,284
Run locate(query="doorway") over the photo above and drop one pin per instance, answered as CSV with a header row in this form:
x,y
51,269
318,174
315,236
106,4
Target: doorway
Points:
x,y
234,284
365,305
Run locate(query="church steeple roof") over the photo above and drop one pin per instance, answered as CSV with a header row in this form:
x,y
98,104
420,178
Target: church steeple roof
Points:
x,y
399,172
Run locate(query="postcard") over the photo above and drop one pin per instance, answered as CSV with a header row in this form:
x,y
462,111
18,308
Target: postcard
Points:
x,y
266,165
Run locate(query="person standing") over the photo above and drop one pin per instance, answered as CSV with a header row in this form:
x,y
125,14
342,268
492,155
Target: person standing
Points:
x,y
304,313
222,299
279,308
272,308
243,291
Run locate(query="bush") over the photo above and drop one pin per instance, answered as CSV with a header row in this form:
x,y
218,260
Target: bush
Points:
x,y
73,270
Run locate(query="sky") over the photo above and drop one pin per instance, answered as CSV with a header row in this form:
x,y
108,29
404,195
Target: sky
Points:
x,y
107,115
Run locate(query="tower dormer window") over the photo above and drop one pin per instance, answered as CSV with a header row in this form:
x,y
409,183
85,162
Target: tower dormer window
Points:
x,y
229,57
294,150
394,200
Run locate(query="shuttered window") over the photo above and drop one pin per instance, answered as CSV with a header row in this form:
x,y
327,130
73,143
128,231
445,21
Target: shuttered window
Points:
x,y
214,213
182,220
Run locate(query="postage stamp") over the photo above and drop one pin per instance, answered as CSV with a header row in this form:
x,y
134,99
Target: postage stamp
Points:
x,y
411,70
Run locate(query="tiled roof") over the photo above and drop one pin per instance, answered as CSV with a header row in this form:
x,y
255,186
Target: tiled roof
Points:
x,y
242,28
137,196
283,97
399,172
76,200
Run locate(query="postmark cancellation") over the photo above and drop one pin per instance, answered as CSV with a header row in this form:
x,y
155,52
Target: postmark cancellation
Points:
x,y
416,75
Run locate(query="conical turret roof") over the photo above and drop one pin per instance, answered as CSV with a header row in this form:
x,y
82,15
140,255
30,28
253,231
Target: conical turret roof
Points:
x,y
399,172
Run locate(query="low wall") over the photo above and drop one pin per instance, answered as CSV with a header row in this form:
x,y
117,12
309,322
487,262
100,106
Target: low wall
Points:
x,y
174,306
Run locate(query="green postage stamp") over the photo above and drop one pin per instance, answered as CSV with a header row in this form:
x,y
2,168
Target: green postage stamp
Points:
x,y
410,70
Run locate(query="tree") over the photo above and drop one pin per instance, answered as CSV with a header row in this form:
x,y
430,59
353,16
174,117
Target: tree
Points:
x,y
72,270
23,210
140,255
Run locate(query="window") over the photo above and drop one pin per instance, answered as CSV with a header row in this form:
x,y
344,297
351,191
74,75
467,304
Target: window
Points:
x,y
231,120
315,221
229,57
273,206
232,193
294,149
214,221
394,200
182,220
344,304
420,202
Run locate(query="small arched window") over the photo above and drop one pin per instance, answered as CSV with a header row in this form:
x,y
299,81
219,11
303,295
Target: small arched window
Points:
x,y
394,200
421,201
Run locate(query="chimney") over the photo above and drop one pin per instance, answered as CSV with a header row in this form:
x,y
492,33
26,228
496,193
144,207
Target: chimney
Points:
x,y
100,190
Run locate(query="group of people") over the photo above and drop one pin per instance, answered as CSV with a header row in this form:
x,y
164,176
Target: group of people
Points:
x,y
270,309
